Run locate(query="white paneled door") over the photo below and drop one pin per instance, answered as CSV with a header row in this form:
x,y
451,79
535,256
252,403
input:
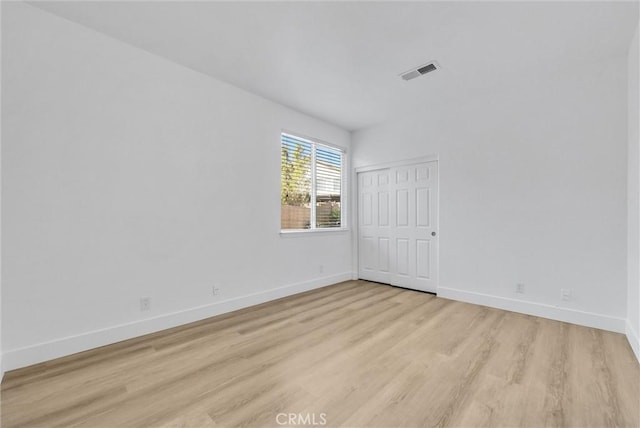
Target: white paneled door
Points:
x,y
398,225
374,225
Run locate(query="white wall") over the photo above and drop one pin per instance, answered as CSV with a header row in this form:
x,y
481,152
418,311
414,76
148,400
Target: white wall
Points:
x,y
125,175
633,213
532,190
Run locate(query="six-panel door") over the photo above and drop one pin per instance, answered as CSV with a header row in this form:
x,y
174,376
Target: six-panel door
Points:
x,y
398,226
374,225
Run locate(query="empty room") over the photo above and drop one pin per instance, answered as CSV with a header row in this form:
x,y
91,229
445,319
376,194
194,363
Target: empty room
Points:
x,y
319,213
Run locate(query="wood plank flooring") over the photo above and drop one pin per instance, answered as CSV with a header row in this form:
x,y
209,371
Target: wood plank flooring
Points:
x,y
355,354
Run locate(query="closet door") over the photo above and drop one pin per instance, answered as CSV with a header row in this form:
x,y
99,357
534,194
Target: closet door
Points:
x,y
398,226
374,226
415,226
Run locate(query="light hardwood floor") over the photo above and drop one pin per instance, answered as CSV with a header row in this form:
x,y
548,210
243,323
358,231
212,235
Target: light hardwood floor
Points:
x,y
355,354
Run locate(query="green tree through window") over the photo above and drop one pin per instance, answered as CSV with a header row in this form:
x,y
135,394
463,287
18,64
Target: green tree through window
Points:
x,y
296,175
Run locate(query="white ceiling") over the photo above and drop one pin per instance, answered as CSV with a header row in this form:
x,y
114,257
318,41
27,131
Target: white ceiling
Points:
x,y
340,61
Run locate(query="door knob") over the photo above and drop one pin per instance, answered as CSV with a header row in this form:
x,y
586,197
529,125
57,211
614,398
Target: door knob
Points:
x,y
433,234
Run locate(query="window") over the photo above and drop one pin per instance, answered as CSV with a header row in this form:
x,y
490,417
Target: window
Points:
x,y
310,185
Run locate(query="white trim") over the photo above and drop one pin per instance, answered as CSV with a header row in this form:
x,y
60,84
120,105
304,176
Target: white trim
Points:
x,y
312,140
314,187
344,190
589,319
634,340
396,164
297,233
41,352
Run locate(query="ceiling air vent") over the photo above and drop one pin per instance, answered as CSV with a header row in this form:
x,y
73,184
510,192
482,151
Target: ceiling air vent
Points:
x,y
423,69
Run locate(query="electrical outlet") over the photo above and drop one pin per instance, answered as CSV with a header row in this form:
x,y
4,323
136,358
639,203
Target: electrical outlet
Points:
x,y
520,288
215,290
321,269
565,294
145,303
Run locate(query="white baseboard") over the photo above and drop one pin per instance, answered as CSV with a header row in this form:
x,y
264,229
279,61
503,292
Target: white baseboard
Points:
x,y
22,357
589,319
634,340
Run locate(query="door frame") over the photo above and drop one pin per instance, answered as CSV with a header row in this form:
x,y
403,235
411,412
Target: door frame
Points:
x,y
356,214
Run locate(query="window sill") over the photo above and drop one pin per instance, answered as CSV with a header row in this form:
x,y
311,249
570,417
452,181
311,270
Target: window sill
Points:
x,y
310,232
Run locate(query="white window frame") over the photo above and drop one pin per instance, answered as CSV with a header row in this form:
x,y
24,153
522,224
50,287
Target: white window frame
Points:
x,y
344,182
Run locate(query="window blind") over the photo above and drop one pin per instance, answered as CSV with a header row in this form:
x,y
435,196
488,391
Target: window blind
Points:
x,y
328,186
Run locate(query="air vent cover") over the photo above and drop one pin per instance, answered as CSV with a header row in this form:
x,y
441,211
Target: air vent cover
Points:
x,y
419,71
426,69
